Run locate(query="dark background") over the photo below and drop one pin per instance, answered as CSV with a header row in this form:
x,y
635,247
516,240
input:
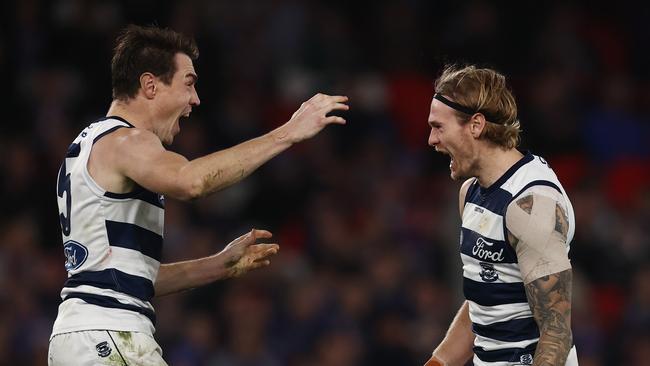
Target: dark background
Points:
x,y
366,214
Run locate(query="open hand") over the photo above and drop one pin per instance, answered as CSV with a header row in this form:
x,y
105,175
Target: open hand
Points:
x,y
245,255
312,117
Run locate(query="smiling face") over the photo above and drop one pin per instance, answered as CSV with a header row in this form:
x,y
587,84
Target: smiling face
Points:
x,y
176,99
452,137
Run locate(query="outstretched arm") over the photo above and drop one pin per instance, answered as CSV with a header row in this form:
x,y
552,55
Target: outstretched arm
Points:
x,y
239,257
141,157
538,225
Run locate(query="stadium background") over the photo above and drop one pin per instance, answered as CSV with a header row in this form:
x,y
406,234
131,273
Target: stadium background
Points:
x,y
366,215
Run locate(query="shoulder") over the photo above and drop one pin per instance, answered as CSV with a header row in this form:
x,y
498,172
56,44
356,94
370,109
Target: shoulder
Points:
x,y
539,191
463,193
539,208
128,142
533,171
134,136
126,146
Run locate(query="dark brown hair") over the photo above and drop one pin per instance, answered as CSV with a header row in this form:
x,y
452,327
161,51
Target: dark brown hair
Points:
x,y
146,49
483,90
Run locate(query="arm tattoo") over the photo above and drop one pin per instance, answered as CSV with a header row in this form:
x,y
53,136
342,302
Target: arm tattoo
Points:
x,y
550,301
561,221
526,203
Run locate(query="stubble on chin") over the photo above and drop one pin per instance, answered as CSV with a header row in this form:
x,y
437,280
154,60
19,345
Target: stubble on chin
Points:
x,y
458,177
462,176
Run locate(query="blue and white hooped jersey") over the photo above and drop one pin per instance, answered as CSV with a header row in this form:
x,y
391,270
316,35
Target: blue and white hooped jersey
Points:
x,y
112,244
506,332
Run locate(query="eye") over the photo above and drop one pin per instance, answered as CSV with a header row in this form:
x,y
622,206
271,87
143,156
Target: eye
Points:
x,y
436,126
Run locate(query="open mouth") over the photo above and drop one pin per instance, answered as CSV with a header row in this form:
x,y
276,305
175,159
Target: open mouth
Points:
x,y
451,157
186,113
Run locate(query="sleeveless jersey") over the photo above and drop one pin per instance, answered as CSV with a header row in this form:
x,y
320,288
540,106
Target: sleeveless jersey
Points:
x,y
506,332
112,244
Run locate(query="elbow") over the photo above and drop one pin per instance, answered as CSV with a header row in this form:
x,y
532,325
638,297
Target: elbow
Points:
x,y
194,190
189,190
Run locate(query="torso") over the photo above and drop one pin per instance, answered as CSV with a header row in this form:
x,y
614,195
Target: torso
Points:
x,y
501,317
112,242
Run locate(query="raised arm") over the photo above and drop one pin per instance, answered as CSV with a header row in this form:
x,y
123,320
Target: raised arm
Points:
x,y
456,347
538,228
141,157
239,257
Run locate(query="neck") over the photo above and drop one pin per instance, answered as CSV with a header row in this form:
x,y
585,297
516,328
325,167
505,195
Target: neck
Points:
x,y
495,161
133,111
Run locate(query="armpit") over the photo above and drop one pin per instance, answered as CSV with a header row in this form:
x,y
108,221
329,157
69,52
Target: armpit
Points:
x,y
540,226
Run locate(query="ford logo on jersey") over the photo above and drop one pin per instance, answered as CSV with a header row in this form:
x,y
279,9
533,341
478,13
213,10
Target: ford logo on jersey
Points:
x,y
75,255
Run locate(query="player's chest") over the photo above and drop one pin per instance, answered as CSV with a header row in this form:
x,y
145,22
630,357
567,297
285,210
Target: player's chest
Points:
x,y
482,236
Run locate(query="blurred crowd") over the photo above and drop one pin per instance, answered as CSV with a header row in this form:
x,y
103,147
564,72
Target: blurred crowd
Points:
x,y
366,215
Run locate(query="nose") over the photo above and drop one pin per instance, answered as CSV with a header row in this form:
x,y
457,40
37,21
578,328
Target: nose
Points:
x,y
433,138
194,100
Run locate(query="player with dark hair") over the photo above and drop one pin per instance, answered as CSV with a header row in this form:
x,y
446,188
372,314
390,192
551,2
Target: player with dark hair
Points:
x,y
517,225
111,189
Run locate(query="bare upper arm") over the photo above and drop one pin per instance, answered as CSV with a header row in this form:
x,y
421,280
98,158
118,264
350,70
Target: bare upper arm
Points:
x,y
538,227
462,194
137,156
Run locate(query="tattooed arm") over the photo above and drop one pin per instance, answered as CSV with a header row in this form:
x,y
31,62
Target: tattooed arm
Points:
x,y
550,300
538,228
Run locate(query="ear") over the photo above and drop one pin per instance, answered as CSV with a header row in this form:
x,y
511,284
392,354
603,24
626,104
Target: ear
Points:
x,y
477,124
148,85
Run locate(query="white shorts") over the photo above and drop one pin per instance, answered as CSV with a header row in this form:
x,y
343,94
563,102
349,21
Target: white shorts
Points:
x,y
104,347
